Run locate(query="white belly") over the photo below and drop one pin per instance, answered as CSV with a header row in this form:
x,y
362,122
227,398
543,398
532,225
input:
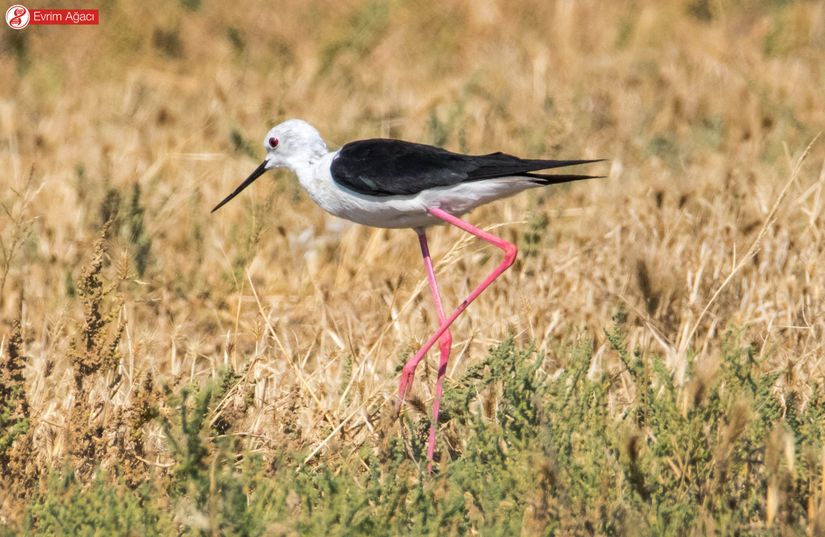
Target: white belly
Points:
x,y
403,211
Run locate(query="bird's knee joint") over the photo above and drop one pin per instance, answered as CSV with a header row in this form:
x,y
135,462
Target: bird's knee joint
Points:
x,y
510,253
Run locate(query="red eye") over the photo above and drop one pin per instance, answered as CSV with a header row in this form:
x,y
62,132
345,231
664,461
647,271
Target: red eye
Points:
x,y
273,142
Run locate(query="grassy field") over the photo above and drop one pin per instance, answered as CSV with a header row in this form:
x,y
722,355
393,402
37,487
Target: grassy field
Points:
x,y
652,364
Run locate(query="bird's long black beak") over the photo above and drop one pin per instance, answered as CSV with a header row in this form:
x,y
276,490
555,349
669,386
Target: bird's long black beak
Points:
x,y
259,171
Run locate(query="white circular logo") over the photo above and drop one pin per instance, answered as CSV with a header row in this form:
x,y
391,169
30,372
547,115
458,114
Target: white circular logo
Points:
x,y
17,17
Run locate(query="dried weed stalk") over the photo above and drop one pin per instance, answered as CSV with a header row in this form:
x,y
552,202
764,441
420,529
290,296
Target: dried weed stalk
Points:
x,y
94,355
19,471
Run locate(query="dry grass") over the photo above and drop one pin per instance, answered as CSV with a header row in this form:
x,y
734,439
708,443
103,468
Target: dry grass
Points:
x,y
709,219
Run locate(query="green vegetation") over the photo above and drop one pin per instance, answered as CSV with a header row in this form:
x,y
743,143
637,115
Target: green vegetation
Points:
x,y
541,455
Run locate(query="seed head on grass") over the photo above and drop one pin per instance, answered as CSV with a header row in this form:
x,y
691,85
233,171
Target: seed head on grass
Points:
x,y
95,349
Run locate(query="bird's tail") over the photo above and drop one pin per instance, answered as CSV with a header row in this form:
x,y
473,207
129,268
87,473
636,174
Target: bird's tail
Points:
x,y
554,179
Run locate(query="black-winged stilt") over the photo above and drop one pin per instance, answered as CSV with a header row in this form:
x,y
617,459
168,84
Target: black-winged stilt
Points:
x,y
396,184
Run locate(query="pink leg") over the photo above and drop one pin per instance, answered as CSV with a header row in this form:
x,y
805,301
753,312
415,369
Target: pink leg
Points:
x,y
510,253
444,343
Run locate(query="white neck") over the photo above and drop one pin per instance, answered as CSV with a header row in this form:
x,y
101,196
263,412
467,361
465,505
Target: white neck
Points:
x,y
303,161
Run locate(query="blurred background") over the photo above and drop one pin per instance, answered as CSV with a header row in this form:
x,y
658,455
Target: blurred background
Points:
x,y
708,224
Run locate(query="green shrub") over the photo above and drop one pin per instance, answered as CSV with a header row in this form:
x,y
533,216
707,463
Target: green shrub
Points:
x,y
532,451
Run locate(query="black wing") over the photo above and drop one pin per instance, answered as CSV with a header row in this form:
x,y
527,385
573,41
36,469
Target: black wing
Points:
x,y
382,167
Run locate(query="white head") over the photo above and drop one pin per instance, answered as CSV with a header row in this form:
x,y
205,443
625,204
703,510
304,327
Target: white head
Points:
x,y
293,144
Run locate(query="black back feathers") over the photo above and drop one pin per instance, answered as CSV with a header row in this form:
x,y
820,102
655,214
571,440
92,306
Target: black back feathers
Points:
x,y
382,167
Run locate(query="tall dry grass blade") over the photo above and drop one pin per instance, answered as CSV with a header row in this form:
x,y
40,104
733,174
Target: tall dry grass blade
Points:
x,y
298,373
769,220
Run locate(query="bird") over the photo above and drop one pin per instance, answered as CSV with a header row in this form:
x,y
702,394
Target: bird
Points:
x,y
389,183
